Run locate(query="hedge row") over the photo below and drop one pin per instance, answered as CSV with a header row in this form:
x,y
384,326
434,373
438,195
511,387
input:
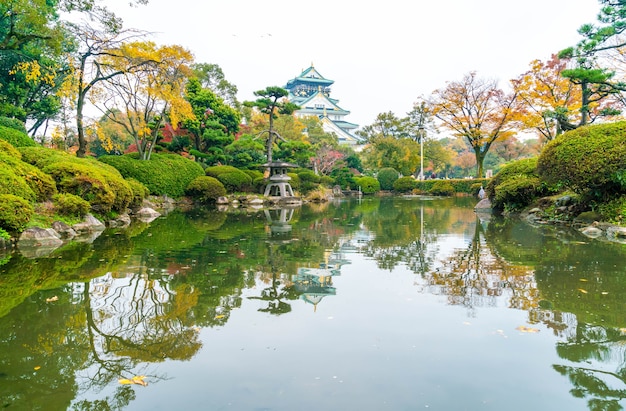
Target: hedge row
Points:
x,y
439,187
163,174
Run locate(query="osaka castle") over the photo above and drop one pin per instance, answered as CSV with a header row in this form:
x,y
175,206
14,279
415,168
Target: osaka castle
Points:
x,y
311,91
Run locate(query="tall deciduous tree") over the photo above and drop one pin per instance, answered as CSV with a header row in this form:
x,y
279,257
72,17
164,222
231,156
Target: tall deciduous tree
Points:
x,y
272,101
211,76
544,96
477,110
149,94
99,58
386,125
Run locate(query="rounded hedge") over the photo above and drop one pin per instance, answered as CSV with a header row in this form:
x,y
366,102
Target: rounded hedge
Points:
x,y
10,183
41,156
15,213
216,171
39,182
139,192
83,181
15,137
405,184
516,185
235,181
70,205
442,188
386,177
368,185
163,174
205,189
589,160
8,149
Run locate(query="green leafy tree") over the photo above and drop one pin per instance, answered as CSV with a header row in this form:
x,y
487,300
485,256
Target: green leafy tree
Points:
x,y
386,125
214,123
599,41
212,77
389,152
32,41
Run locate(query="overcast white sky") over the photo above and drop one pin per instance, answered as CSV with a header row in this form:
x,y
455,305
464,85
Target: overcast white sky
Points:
x,y
382,55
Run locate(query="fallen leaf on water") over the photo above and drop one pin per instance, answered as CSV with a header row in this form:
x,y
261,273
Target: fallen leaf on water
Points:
x,y
139,380
527,329
52,299
582,291
37,368
584,280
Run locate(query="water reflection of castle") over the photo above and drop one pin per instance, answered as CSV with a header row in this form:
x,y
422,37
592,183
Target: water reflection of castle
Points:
x,y
315,283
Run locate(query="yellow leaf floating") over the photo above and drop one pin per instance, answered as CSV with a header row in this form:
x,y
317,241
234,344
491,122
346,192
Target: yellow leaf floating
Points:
x,y
139,380
52,299
37,368
527,329
582,291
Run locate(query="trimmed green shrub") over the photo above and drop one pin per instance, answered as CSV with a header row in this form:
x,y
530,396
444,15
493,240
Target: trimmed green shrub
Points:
x,y
15,213
235,181
13,123
83,181
515,194
344,177
368,185
139,192
70,205
163,174
8,149
442,188
40,183
404,184
516,185
254,174
461,186
386,177
205,189
309,181
295,182
41,156
589,160
307,175
10,183
216,171
15,137
327,181
100,184
614,211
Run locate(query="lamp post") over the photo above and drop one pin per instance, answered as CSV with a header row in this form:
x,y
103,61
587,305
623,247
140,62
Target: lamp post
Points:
x,y
421,133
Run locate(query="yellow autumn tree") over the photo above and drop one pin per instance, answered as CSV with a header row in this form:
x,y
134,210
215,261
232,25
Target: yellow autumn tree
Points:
x,y
544,95
143,99
476,110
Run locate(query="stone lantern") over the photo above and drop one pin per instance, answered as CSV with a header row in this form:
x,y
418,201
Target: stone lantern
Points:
x,y
278,185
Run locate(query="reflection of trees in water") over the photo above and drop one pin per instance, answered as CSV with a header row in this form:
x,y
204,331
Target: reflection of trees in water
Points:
x,y
594,349
274,276
477,276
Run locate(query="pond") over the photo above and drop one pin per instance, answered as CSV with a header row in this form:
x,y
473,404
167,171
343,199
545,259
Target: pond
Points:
x,y
373,304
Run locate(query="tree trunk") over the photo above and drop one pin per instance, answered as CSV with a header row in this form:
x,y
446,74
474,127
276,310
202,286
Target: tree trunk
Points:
x,y
82,142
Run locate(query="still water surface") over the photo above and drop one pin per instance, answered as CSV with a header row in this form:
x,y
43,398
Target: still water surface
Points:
x,y
378,304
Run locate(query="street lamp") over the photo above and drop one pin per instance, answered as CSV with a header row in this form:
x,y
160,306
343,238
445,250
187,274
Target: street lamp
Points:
x,y
421,134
